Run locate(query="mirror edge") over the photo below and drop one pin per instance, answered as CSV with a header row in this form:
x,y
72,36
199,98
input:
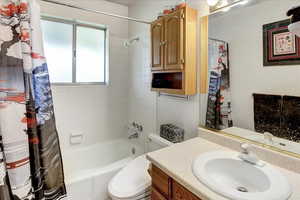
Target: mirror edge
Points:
x,y
269,147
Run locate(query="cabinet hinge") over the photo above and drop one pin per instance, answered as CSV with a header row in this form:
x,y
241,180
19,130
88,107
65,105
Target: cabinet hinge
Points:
x,y
182,61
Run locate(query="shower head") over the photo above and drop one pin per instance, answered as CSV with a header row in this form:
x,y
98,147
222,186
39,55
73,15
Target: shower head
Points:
x,y
132,41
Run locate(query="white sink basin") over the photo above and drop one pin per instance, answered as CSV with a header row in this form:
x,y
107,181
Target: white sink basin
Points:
x,y
229,176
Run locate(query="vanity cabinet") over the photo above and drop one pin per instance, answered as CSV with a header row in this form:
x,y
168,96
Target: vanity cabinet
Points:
x,y
156,195
173,52
180,193
166,188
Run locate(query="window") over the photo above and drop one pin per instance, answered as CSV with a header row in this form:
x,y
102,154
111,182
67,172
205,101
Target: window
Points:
x,y
75,52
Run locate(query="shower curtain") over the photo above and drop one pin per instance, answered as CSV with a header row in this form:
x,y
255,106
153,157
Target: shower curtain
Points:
x,y
218,115
30,157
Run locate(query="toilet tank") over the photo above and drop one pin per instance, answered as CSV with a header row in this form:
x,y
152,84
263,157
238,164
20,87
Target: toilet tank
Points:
x,y
155,142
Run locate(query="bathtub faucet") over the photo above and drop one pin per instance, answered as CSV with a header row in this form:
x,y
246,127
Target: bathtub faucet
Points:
x,y
133,136
134,130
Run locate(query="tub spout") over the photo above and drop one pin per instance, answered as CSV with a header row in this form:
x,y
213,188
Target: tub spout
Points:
x,y
133,136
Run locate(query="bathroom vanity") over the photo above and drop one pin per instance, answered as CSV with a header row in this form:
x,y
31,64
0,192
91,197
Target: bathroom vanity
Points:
x,y
165,187
172,168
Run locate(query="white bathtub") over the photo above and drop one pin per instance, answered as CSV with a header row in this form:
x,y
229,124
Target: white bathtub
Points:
x,y
89,169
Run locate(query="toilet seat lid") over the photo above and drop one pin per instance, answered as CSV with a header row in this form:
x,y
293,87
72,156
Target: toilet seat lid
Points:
x,y
132,180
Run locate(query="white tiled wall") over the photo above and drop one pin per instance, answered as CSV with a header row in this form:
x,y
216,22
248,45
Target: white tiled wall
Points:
x,y
98,112
145,106
102,112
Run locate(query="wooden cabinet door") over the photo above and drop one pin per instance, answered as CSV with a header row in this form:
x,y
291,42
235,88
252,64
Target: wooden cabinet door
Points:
x,y
174,38
157,44
160,181
180,193
155,195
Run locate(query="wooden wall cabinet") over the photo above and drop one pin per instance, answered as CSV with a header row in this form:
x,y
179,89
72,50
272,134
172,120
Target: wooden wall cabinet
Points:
x,y
173,52
165,188
157,39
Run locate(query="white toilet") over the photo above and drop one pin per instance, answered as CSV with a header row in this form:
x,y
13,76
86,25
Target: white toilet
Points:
x,y
133,182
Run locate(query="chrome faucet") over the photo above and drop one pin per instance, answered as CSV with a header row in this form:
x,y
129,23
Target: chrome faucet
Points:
x,y
248,156
268,137
133,136
134,130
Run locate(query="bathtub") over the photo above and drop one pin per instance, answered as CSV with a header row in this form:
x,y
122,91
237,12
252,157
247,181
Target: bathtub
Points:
x,y
89,169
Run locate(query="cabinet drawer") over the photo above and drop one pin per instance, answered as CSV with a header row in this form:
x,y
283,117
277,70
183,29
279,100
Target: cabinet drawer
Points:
x,y
160,181
180,193
155,195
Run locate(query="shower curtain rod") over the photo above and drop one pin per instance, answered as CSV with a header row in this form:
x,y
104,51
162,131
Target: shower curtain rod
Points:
x,y
218,40
97,12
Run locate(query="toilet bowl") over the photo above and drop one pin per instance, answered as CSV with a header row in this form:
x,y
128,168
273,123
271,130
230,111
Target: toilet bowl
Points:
x,y
133,182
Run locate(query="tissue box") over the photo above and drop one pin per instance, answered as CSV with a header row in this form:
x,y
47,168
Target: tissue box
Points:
x,y
172,133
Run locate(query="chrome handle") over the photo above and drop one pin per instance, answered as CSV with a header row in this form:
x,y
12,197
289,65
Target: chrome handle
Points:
x,y
245,148
268,137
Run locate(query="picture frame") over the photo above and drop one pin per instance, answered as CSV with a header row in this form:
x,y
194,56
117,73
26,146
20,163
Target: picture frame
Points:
x,y
280,46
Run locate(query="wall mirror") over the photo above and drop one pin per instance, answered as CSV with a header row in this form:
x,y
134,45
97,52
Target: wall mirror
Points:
x,y
253,88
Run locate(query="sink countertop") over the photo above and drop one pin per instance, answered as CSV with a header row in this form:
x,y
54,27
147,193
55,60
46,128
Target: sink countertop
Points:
x,y
176,161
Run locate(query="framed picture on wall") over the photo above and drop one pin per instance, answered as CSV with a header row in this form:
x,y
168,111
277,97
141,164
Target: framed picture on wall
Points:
x,y
281,47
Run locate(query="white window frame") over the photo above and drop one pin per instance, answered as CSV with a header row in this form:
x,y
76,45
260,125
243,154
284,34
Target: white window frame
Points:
x,y
76,24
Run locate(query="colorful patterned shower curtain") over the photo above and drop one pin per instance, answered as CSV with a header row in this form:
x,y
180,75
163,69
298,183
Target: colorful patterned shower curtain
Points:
x,y
218,115
30,157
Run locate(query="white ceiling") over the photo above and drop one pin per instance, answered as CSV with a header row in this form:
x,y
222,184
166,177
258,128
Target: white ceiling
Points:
x,y
129,2
123,2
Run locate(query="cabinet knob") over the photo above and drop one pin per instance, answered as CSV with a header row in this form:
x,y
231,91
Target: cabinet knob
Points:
x,y
163,43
